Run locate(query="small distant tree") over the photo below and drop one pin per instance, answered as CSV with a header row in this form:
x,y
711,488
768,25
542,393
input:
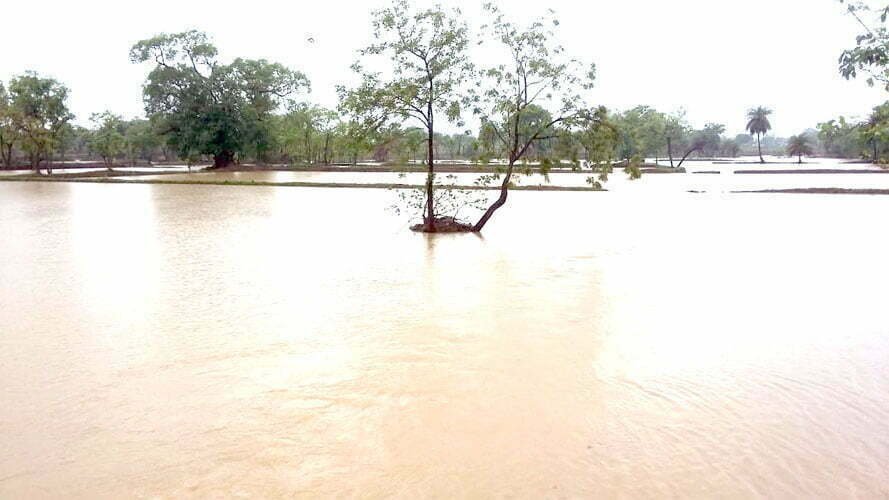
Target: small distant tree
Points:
x,y
141,140
675,131
730,148
39,110
875,130
106,139
799,145
537,95
427,51
758,124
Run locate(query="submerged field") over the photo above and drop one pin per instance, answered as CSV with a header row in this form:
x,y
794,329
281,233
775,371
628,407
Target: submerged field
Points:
x,y
201,340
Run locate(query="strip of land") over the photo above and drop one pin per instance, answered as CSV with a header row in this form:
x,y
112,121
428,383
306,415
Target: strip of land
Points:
x,y
103,180
821,191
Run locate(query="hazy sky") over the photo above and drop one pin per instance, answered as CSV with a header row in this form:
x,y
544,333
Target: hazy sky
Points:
x,y
715,58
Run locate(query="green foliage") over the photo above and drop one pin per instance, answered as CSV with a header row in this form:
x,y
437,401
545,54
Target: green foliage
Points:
x,y
205,107
38,111
9,135
799,145
107,139
427,52
758,121
141,140
871,52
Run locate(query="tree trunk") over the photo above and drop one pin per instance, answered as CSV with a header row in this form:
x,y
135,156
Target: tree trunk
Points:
x,y
759,146
800,159
327,149
430,179
876,159
670,150
223,159
690,151
499,202
6,152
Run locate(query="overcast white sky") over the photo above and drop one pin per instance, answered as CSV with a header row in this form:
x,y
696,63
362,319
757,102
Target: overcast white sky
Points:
x,y
715,58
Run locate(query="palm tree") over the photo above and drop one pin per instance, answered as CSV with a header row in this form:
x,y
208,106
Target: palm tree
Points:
x,y
798,146
758,124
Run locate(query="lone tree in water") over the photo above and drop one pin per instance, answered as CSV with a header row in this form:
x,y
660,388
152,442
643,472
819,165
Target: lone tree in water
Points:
x,y
427,51
799,145
513,96
758,124
208,108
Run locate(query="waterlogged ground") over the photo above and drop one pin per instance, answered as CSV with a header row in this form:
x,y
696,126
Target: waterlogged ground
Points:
x,y
218,341
725,176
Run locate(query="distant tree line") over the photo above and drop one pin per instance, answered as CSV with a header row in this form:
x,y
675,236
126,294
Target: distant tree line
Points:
x,y
532,109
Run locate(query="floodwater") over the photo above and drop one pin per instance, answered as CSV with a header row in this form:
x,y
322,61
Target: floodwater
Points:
x,y
702,176
218,341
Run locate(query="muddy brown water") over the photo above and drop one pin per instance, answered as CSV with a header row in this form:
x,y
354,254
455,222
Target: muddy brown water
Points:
x,y
195,341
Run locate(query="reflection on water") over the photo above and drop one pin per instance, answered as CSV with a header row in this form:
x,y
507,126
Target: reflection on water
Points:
x,y
211,341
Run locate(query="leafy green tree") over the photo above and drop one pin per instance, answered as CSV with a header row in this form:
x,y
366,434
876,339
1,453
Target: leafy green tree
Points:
x,y
106,139
841,138
799,145
8,132
675,131
39,111
141,140
427,51
600,139
206,107
535,96
871,52
758,124
710,138
875,130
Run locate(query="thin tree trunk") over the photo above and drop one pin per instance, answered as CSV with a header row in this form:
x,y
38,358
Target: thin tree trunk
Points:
x,y
501,200
430,179
690,151
876,159
670,149
759,146
800,159
327,149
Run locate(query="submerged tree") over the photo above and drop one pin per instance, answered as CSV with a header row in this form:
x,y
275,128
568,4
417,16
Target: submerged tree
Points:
x,y
537,95
799,145
427,50
758,124
206,107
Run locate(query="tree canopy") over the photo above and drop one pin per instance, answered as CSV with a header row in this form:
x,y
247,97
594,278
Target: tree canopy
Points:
x,y
426,50
206,107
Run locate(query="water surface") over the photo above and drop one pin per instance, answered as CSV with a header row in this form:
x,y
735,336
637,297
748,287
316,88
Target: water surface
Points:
x,y
164,340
